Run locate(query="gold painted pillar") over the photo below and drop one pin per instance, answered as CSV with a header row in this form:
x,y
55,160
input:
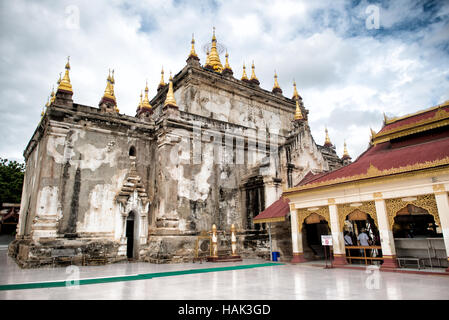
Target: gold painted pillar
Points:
x,y
338,242
298,253
386,235
442,200
214,241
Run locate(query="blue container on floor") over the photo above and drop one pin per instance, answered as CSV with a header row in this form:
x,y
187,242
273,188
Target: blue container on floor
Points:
x,y
275,255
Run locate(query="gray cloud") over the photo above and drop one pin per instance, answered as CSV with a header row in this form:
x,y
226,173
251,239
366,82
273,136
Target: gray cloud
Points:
x,y
347,75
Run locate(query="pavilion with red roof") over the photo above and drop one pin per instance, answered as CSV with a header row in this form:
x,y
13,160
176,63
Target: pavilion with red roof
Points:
x,y
402,176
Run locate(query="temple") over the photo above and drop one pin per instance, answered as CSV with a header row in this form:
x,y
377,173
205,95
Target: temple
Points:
x,y
396,193
208,149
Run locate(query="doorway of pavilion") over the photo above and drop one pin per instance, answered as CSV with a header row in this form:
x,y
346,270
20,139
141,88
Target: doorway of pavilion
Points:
x,y
314,226
357,252
418,239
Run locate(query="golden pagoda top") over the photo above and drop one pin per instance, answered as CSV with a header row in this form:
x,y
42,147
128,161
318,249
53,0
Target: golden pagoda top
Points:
x,y
146,102
295,92
192,50
64,84
139,106
227,66
52,95
170,99
162,82
109,90
345,151
244,76
298,113
276,84
327,141
253,74
214,58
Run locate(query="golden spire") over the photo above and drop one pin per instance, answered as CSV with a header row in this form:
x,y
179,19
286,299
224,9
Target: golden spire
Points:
x,y
52,95
162,82
253,74
295,92
244,76
345,152
109,90
146,102
298,113
65,84
227,66
327,141
276,84
170,99
170,78
192,51
214,58
141,101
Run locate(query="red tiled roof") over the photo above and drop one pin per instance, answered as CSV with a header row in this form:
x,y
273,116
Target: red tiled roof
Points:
x,y
385,158
275,212
408,120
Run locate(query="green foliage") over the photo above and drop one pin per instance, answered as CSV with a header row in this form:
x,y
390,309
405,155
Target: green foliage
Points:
x,y
11,180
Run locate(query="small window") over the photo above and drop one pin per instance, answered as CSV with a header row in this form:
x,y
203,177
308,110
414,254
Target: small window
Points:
x,y
132,151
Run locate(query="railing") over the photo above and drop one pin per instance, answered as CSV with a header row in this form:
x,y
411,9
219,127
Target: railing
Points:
x,y
366,257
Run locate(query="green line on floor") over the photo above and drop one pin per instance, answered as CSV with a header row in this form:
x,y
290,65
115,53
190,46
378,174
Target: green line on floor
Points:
x,y
144,276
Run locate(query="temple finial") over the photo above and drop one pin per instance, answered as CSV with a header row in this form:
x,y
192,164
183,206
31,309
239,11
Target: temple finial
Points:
x,y
253,75
108,98
296,96
214,58
146,102
298,113
170,99
162,82
244,76
345,152
276,87
227,71
64,84
327,141
192,50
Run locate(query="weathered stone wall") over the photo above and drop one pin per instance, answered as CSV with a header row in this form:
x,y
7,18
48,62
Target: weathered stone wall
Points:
x,y
220,158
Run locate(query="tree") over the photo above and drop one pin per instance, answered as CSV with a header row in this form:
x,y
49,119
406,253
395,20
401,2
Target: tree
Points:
x,y
11,180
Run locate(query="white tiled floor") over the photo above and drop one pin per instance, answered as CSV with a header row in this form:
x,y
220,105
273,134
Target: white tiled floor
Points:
x,y
274,282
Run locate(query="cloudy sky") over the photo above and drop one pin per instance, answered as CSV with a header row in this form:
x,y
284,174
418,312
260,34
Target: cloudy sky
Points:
x,y
352,60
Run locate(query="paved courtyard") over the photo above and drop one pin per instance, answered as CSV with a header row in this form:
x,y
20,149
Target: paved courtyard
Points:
x,y
249,280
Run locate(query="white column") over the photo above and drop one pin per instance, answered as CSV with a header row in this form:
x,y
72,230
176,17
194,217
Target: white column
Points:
x,y
443,211
296,237
386,235
338,242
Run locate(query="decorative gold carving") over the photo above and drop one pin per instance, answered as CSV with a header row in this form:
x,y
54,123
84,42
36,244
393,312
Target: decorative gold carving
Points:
x,y
427,202
439,188
304,213
331,201
374,172
345,209
377,195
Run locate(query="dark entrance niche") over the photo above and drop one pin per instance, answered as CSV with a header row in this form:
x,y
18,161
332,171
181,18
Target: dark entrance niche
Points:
x,y
313,230
132,151
255,201
130,235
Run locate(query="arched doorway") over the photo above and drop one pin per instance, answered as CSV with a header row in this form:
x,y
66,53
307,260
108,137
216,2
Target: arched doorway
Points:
x,y
417,235
356,223
130,238
314,226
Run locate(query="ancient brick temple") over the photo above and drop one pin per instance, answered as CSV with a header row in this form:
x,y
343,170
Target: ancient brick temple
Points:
x,y
207,149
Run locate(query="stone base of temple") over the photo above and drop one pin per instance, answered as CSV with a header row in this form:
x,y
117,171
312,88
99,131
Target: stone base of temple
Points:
x,y
339,260
62,252
224,259
390,262
298,258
